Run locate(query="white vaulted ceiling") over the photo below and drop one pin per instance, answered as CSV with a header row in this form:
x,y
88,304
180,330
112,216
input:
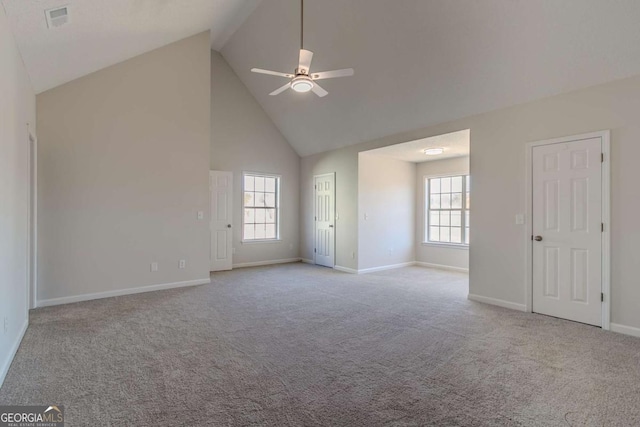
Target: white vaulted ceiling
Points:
x,y
105,32
422,62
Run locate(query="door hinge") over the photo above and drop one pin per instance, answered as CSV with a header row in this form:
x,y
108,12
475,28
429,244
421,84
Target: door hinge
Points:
x,y
315,187
602,227
601,297
315,218
314,250
532,237
602,157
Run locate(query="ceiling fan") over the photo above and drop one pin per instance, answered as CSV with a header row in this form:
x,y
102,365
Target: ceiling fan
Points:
x,y
303,80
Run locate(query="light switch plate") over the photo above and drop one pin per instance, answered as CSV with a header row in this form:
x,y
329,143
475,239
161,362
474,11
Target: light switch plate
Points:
x,y
519,219
200,215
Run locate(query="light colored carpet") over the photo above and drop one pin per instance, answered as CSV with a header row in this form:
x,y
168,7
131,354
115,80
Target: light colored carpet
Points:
x,y
296,345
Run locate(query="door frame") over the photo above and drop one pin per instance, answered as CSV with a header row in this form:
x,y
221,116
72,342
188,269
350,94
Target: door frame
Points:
x,y
32,220
605,137
315,223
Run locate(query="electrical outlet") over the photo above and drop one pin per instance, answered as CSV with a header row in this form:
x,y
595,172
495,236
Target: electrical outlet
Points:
x,y
182,263
353,255
154,266
200,214
290,246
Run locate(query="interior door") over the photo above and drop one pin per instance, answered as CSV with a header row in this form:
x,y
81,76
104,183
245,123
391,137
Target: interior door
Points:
x,y
221,189
567,230
325,219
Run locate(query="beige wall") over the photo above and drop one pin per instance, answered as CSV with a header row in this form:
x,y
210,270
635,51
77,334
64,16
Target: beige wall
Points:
x,y
123,171
429,253
17,109
497,253
244,139
387,211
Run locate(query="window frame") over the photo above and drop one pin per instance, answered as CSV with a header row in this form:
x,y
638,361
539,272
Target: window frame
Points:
x,y
427,210
277,207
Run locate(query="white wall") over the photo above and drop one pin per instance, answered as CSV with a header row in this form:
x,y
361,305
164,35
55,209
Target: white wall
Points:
x,y
433,253
386,211
123,171
497,252
243,138
17,108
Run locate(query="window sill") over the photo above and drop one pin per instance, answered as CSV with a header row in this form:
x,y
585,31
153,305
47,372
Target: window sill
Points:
x,y
251,242
446,245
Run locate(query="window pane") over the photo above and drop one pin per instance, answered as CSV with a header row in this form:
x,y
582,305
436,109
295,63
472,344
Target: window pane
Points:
x,y
249,231
456,201
249,216
434,234
260,231
456,218
260,216
456,184
445,218
249,183
434,185
445,185
270,216
466,219
445,201
444,234
248,199
259,183
270,231
270,200
434,218
435,202
456,235
466,235
260,199
270,184
468,201
468,183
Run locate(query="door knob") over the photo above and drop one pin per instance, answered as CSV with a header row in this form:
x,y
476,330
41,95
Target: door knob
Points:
x,y
228,225
538,238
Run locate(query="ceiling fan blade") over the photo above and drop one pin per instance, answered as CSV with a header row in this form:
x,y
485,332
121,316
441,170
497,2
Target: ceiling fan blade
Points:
x,y
272,73
319,91
305,61
280,90
332,74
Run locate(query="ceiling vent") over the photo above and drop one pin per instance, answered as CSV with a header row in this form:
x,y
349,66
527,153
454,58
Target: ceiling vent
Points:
x,y
57,17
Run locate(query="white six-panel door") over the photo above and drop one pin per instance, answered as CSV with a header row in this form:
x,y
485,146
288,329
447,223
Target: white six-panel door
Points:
x,y
324,219
221,190
567,227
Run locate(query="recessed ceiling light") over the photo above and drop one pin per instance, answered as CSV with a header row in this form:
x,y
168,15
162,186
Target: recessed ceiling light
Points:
x,y
433,151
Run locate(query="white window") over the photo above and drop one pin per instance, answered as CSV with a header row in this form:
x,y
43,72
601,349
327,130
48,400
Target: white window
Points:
x,y
447,209
261,207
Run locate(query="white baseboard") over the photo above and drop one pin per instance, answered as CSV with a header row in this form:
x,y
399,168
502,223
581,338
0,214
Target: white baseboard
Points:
x,y
442,267
12,351
386,267
307,261
120,292
345,269
269,262
627,330
498,302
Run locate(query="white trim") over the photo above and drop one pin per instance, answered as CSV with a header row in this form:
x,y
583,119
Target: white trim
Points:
x,y
268,262
307,261
32,220
627,330
12,353
442,267
605,136
121,292
386,267
345,269
498,302
446,245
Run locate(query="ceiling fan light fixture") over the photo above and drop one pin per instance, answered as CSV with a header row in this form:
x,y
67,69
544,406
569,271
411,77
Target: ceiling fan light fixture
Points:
x,y
302,84
433,151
